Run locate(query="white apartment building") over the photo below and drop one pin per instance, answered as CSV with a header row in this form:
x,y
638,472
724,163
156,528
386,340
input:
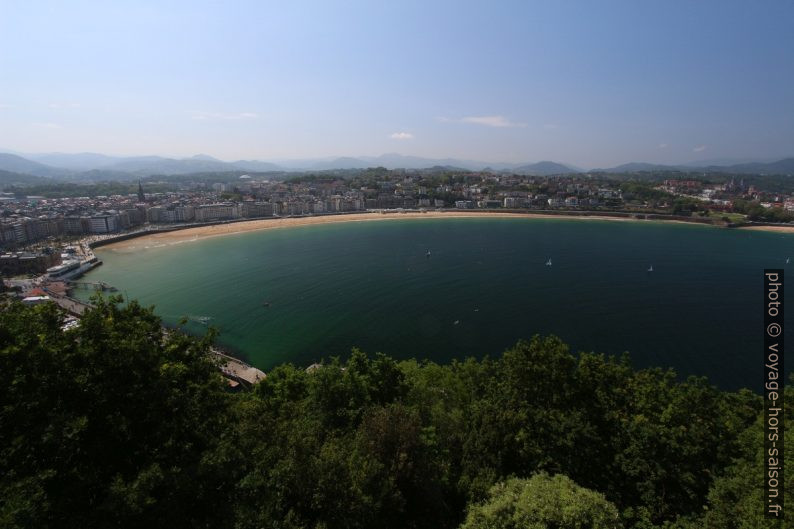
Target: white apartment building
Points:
x,y
212,212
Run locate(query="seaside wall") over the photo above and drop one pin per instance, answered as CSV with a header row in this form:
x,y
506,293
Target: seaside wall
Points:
x,y
562,213
152,231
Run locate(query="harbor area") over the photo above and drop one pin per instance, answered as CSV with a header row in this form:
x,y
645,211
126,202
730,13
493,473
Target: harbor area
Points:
x,y
59,282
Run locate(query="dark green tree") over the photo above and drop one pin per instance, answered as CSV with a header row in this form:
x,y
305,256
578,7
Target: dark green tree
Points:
x,y
542,502
108,424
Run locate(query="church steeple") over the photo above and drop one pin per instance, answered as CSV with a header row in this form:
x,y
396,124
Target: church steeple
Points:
x,y
141,196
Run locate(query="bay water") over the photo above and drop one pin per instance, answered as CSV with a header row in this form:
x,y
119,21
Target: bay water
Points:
x,y
440,289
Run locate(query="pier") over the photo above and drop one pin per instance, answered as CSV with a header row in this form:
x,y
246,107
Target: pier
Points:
x,y
237,369
232,368
95,285
73,306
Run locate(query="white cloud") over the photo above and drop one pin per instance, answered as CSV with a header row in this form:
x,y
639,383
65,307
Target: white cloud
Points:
x,y
402,136
58,106
699,148
488,121
224,116
492,121
662,145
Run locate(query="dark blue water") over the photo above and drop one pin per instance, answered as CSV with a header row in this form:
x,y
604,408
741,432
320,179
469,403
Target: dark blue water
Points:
x,y
370,285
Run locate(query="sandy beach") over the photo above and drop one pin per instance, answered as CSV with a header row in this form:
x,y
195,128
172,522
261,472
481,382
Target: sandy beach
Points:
x,y
202,232
779,229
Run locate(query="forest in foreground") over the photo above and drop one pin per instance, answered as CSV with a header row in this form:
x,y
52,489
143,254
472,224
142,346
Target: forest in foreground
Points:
x,y
118,423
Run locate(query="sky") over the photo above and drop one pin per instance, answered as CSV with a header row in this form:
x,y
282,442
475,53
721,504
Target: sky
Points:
x,y
593,84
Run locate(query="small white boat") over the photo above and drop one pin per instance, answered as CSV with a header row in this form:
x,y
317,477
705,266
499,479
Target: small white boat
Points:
x,y
787,260
548,263
456,322
650,269
428,253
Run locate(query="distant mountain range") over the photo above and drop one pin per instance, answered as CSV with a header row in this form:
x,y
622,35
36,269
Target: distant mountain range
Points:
x,y
97,167
93,166
10,178
781,167
17,164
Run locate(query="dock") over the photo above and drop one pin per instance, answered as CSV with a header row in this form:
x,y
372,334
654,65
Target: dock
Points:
x,y
95,285
232,368
236,369
75,307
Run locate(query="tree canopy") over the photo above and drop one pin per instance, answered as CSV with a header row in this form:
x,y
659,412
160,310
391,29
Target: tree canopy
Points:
x,y
117,422
541,502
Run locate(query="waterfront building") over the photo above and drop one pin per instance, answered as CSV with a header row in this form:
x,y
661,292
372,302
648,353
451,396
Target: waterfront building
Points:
x,y
8,235
155,213
124,220
251,209
74,225
489,204
47,227
513,202
167,215
28,263
26,230
135,216
21,232
184,213
335,203
295,208
212,212
104,224
386,201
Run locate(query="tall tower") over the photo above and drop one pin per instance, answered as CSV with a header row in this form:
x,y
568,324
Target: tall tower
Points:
x,y
141,196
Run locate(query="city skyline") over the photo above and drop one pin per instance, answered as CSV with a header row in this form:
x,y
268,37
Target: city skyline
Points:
x,y
574,83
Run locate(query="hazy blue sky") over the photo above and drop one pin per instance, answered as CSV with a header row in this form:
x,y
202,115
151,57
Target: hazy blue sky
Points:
x,y
588,83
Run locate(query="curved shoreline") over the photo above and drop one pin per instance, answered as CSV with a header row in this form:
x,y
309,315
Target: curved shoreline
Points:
x,y
770,228
193,233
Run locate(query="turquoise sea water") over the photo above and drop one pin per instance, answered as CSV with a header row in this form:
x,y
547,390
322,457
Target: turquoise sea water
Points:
x,y
370,285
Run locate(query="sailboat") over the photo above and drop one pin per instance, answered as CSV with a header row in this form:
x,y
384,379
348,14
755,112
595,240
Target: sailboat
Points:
x,y
787,260
650,269
428,253
548,263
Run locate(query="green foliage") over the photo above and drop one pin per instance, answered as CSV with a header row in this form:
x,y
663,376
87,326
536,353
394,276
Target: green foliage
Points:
x,y
644,191
315,178
686,206
542,502
236,196
68,189
105,424
755,211
736,500
118,423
